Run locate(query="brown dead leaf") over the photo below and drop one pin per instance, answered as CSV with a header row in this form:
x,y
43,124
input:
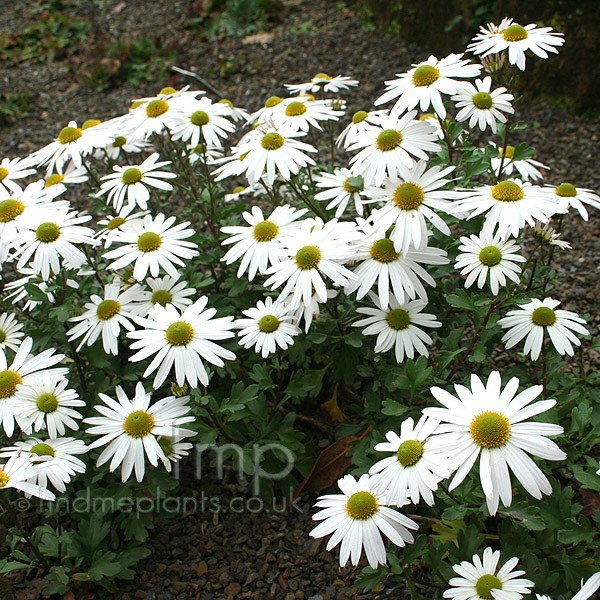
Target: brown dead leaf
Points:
x,y
591,502
332,408
258,38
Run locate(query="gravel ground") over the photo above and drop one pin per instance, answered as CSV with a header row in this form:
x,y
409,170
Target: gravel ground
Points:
x,y
266,554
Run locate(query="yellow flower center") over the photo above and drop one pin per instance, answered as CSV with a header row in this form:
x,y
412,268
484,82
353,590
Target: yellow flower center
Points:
x,y
47,232
507,191
268,324
132,175
9,380
308,257
69,135
149,242
490,429
200,118
566,190
409,196
273,101
42,450
509,152
389,139
90,123
295,109
353,185
515,33
138,424
483,100
53,179
166,91
543,316
3,478
272,141
485,584
47,403
360,116
409,453
383,251
162,297
3,173
156,108
265,231
10,209
425,75
490,256
239,189
179,333
119,141
107,309
321,76
226,102
114,223
361,506
398,319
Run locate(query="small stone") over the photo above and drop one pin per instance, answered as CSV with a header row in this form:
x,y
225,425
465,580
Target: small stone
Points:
x,y
233,589
202,569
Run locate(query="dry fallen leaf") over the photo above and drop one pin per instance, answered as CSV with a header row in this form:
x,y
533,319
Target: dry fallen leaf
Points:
x,y
258,38
332,408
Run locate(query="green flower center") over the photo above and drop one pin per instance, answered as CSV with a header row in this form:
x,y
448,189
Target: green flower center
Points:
x,y
138,424
485,584
398,319
425,75
47,403
53,179
483,100
308,257
268,324
166,445
119,141
90,123
295,109
9,380
3,478
10,209
272,141
42,450
265,231
200,118
107,309
409,196
543,316
410,453
114,223
361,506
69,134
353,185
490,429
273,101
227,102
162,297
507,191
149,242
239,189
179,333
515,33
3,173
47,232
360,116
566,190
383,251
389,139
2,336
132,175
156,108
490,256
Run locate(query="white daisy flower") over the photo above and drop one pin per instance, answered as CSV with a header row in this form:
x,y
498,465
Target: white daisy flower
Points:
x,y
300,114
398,327
152,244
173,449
394,272
44,402
235,112
482,106
10,332
131,182
483,580
425,83
509,204
122,144
587,589
517,40
164,290
52,235
433,120
341,187
264,113
526,168
322,82
570,196
260,244
384,148
55,459
105,316
182,339
13,378
71,175
548,236
267,327
531,321
362,121
197,153
316,249
20,293
12,169
241,190
415,469
201,121
129,429
311,311
411,195
357,517
17,472
489,422
488,256
112,225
